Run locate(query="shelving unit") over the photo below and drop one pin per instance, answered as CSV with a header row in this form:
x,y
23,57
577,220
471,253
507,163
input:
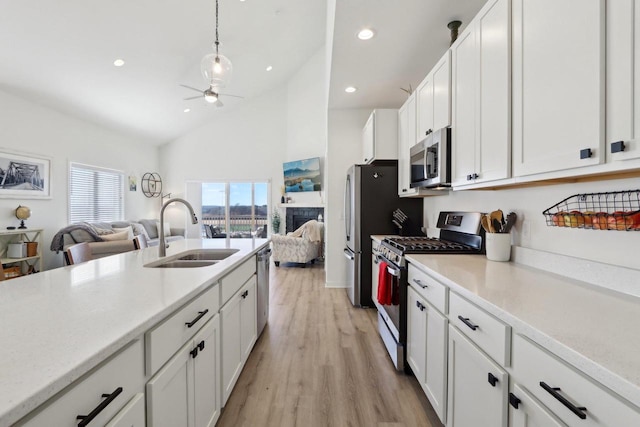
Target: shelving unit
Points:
x,y
24,235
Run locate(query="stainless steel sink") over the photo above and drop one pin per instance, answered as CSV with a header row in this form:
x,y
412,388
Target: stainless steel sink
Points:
x,y
193,259
209,254
184,264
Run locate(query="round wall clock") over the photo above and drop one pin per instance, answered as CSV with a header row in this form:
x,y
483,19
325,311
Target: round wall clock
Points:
x,y
151,184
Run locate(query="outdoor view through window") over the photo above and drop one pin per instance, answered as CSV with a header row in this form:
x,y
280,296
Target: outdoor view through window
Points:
x,y
234,209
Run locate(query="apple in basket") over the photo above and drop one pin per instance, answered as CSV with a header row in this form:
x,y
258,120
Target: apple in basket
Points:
x,y
618,221
599,221
576,219
558,219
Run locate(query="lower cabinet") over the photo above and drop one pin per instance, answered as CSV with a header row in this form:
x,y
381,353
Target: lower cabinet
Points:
x,y
525,411
239,333
185,391
478,387
427,350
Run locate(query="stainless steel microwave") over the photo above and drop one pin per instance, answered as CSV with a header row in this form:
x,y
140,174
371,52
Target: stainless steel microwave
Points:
x,y
431,160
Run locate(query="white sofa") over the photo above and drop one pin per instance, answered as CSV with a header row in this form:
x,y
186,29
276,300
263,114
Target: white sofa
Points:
x,y
301,246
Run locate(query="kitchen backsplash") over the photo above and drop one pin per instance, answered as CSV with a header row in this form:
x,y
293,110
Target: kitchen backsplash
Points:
x,y
531,231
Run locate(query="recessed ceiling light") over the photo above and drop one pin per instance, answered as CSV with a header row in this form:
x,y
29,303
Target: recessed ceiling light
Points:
x,y
269,68
350,89
366,34
186,110
118,62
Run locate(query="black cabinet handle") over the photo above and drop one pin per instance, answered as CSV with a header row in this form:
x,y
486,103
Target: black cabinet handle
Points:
x,y
420,305
617,147
493,380
194,352
469,177
86,419
586,153
466,321
554,391
404,190
514,401
245,294
476,176
201,345
419,283
200,316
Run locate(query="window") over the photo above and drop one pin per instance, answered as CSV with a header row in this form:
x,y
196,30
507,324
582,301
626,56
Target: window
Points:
x,y
95,194
236,209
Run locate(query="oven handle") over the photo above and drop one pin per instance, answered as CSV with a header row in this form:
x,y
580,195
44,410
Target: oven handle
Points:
x,y
393,271
349,254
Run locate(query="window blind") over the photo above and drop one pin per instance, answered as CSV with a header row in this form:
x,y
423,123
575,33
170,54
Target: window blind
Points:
x,y
95,194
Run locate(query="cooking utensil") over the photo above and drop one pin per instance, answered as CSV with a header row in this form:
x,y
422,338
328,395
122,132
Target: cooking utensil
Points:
x,y
486,224
510,222
497,220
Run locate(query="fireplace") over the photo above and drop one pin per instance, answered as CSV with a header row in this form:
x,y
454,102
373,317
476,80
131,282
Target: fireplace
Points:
x,y
297,216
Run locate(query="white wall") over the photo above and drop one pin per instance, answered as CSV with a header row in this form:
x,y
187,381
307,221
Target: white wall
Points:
x,y
252,141
30,128
611,247
345,149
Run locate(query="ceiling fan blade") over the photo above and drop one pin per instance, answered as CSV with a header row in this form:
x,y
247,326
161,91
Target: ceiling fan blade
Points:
x,y
192,88
235,96
193,97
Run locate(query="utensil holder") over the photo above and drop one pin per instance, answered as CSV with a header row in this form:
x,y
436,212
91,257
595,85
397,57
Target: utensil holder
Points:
x,y
498,246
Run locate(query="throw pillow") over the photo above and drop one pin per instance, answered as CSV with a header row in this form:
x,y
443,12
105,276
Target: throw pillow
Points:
x,y
151,227
128,230
102,231
123,235
139,229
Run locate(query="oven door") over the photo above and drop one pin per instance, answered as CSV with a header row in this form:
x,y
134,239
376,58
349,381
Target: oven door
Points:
x,y
392,318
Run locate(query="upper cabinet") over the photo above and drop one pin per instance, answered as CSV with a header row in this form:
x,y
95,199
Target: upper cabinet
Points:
x,y
380,136
623,80
558,85
433,99
406,138
481,70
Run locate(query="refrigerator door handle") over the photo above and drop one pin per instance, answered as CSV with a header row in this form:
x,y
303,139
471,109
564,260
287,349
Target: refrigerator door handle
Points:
x,y
350,255
347,208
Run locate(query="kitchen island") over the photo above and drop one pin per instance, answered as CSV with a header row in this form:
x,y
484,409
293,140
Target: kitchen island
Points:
x,y
60,324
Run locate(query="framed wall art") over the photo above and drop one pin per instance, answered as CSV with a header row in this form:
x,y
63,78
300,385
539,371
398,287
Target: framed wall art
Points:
x,y
24,176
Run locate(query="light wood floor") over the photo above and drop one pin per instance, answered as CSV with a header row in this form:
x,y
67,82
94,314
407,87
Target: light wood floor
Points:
x,y
320,362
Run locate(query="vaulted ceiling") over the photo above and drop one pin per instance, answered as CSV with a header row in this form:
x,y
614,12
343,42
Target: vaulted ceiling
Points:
x,y
60,54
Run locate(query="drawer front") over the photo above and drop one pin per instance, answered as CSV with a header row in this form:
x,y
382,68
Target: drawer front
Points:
x,y
553,382
232,282
430,289
489,333
121,377
131,415
166,338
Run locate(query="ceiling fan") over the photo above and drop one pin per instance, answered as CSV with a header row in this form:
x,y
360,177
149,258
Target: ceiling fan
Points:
x,y
210,95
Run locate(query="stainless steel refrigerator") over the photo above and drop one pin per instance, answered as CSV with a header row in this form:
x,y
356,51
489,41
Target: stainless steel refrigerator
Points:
x,y
371,196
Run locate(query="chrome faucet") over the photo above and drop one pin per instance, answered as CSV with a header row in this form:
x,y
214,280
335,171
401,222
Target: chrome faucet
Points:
x,y
162,246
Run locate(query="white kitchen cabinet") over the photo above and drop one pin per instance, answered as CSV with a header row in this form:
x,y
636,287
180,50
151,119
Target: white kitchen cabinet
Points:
x,y
101,395
433,99
526,411
380,136
558,85
478,387
239,332
132,415
569,394
185,392
481,98
623,80
427,349
406,138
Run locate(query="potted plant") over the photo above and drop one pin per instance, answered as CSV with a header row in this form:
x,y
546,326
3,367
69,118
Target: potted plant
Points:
x,y
275,221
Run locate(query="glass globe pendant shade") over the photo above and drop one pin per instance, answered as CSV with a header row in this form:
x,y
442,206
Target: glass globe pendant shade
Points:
x,y
216,69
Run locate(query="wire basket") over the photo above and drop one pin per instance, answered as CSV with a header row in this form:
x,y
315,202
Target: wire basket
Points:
x,y
618,210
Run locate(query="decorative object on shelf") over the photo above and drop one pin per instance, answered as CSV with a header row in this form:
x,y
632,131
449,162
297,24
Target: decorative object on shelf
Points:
x,y
151,184
24,176
215,67
133,183
275,221
616,210
282,193
23,213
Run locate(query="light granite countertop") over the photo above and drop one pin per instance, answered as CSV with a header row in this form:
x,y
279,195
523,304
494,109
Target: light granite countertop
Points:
x,y
57,325
593,328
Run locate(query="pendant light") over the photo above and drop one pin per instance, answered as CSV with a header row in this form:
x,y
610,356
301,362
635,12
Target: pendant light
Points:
x,y
216,68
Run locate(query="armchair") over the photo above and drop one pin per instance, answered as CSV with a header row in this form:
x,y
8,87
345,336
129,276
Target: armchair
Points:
x,y
300,246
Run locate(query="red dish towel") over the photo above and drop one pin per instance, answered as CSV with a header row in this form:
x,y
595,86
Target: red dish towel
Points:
x,y
385,285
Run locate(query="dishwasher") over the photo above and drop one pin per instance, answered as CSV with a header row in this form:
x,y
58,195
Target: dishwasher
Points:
x,y
262,269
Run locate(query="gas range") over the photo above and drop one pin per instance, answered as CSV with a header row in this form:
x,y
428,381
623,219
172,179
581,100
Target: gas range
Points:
x,y
460,233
